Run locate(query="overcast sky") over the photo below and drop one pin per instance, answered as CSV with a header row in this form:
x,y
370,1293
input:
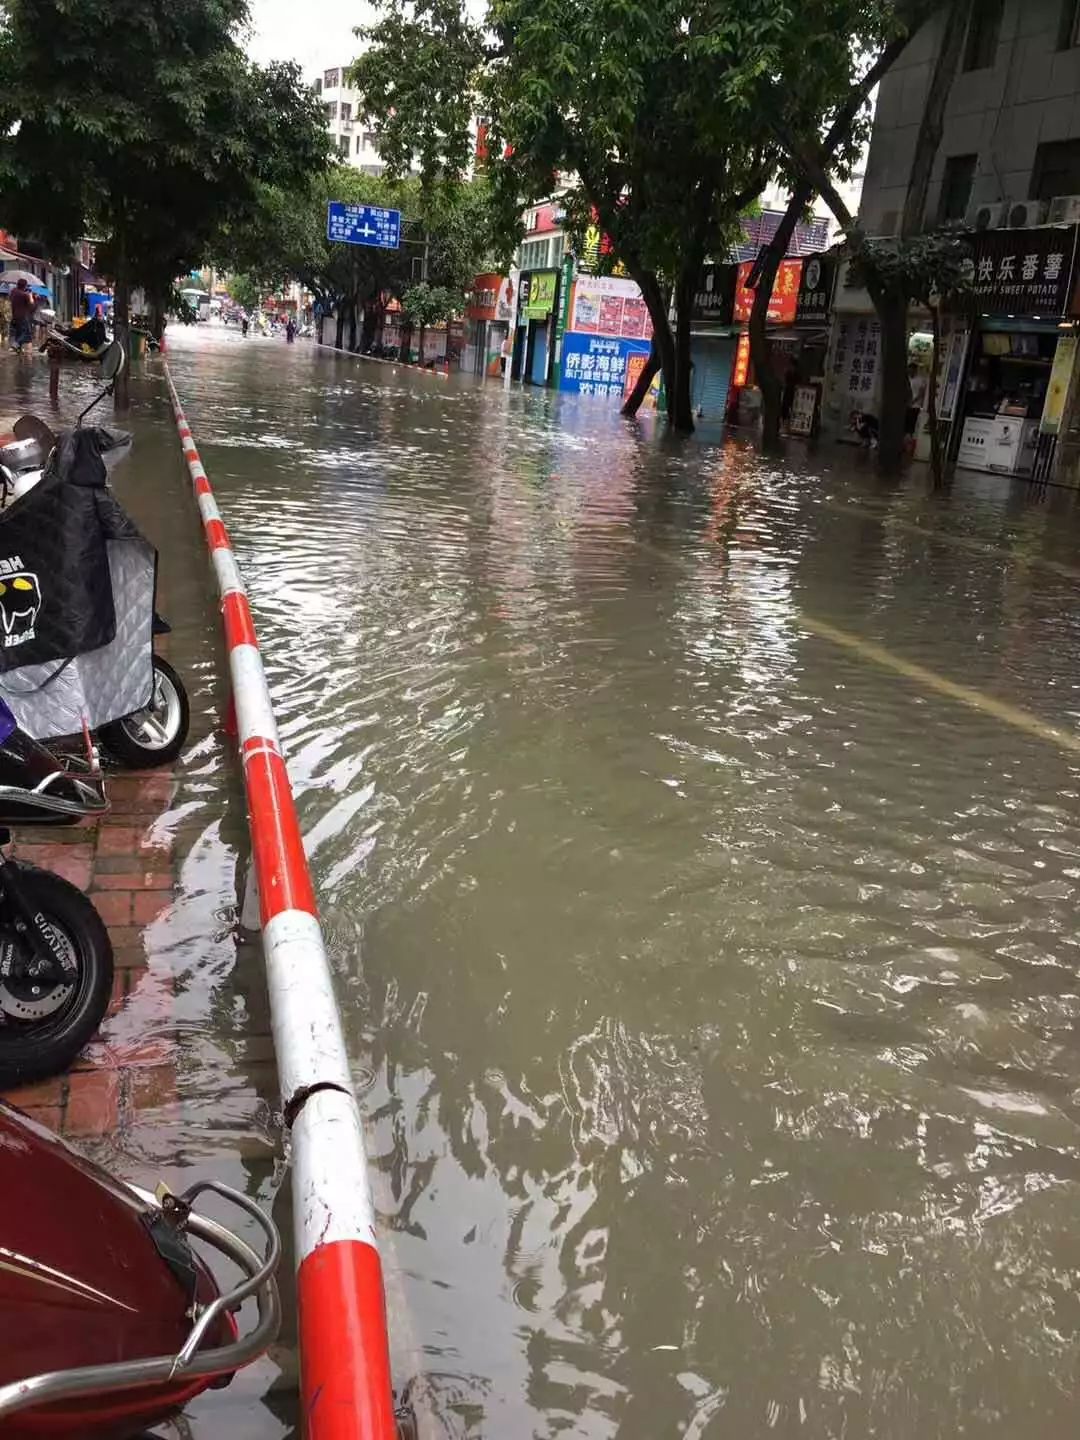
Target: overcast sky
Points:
x,y
316,34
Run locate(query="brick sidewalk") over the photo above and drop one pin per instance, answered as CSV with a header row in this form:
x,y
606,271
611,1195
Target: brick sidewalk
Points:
x,y
125,863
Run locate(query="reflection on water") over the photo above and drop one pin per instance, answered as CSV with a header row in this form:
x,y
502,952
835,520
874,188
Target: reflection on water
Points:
x,y
713,987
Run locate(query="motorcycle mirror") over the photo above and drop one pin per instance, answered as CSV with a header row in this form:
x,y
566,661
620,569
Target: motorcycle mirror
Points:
x,y
29,427
111,361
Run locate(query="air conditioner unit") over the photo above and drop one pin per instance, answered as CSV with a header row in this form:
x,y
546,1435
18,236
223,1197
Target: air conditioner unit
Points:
x,y
987,217
1023,214
1065,210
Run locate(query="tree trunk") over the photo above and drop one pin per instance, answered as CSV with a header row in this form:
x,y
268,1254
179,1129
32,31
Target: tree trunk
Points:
x,y
420,356
656,302
370,327
352,324
892,312
760,348
680,402
339,336
649,371
122,323
932,124
937,460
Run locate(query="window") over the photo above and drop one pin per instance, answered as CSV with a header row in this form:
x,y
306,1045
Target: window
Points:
x,y
1070,24
956,187
370,139
984,30
558,245
359,143
1057,170
533,255
343,146
328,110
331,79
346,110
318,86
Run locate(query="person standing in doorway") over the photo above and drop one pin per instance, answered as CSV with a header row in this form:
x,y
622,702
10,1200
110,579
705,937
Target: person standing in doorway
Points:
x,y
23,304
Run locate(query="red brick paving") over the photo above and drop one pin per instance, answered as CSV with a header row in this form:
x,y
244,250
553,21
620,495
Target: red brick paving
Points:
x,y
125,865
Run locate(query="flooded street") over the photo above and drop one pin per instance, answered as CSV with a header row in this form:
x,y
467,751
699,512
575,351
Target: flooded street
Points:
x,y
698,845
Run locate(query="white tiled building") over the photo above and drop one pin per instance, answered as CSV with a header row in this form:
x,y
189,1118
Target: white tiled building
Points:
x,y
353,136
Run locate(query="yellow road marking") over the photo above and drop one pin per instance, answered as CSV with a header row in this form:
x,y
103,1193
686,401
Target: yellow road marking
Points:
x,y
1000,709
961,542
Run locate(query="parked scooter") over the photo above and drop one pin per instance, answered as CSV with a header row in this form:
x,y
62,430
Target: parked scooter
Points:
x,y
112,1319
56,961
133,698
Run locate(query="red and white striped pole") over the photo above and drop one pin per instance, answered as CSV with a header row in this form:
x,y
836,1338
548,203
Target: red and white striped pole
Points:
x,y
344,1352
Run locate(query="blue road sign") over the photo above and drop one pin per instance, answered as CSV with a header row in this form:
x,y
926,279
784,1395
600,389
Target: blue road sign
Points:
x,y
363,225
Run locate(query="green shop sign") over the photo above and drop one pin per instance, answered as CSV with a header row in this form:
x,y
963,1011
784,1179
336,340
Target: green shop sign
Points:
x,y
541,295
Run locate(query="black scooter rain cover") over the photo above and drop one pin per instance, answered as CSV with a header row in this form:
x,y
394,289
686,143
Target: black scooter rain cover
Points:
x,y
55,592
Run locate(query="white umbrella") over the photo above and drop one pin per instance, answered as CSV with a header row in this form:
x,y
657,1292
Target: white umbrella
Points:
x,y
10,278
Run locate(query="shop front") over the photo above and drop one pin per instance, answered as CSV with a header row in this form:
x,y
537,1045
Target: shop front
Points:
x,y
714,340
744,399
488,317
538,294
1014,352
607,338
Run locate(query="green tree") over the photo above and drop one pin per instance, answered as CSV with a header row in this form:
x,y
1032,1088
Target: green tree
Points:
x,y
145,125
629,105
245,291
810,160
933,270
445,231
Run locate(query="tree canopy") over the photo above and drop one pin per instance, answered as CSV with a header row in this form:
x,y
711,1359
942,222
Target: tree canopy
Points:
x,y
660,119
145,127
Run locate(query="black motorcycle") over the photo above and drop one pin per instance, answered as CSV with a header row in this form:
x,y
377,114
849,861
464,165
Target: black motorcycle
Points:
x,y
56,960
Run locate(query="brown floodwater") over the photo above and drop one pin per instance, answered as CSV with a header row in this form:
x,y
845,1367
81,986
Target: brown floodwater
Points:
x,y
698,844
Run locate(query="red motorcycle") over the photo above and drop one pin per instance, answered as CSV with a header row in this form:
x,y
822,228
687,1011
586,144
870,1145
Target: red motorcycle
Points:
x,y
110,1320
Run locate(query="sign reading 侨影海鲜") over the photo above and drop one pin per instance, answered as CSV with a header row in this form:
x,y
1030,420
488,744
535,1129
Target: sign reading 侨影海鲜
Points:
x,y
363,225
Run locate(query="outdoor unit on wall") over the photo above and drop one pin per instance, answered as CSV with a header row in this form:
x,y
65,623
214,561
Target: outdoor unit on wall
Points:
x,y
1065,210
1023,214
987,217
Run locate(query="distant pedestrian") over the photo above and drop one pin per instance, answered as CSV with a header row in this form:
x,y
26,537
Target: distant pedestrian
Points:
x,y
23,303
290,332
244,324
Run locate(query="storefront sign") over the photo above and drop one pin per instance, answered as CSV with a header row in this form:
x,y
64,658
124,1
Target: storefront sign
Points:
x,y
1058,389
855,363
504,305
484,300
784,293
813,304
1023,272
715,295
607,305
524,291
541,295
598,365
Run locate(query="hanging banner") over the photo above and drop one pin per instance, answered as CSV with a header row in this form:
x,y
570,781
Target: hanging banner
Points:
x,y
813,304
1058,389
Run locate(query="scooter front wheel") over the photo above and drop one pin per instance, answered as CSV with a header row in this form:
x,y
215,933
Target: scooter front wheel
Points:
x,y
155,735
48,1018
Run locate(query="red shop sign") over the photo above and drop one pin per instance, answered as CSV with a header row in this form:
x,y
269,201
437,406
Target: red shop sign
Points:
x,y
785,294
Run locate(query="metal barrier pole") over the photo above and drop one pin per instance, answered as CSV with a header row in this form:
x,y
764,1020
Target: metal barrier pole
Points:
x,y
344,1351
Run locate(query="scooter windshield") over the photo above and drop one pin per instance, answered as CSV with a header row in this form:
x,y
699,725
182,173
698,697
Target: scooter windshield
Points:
x,y
8,724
